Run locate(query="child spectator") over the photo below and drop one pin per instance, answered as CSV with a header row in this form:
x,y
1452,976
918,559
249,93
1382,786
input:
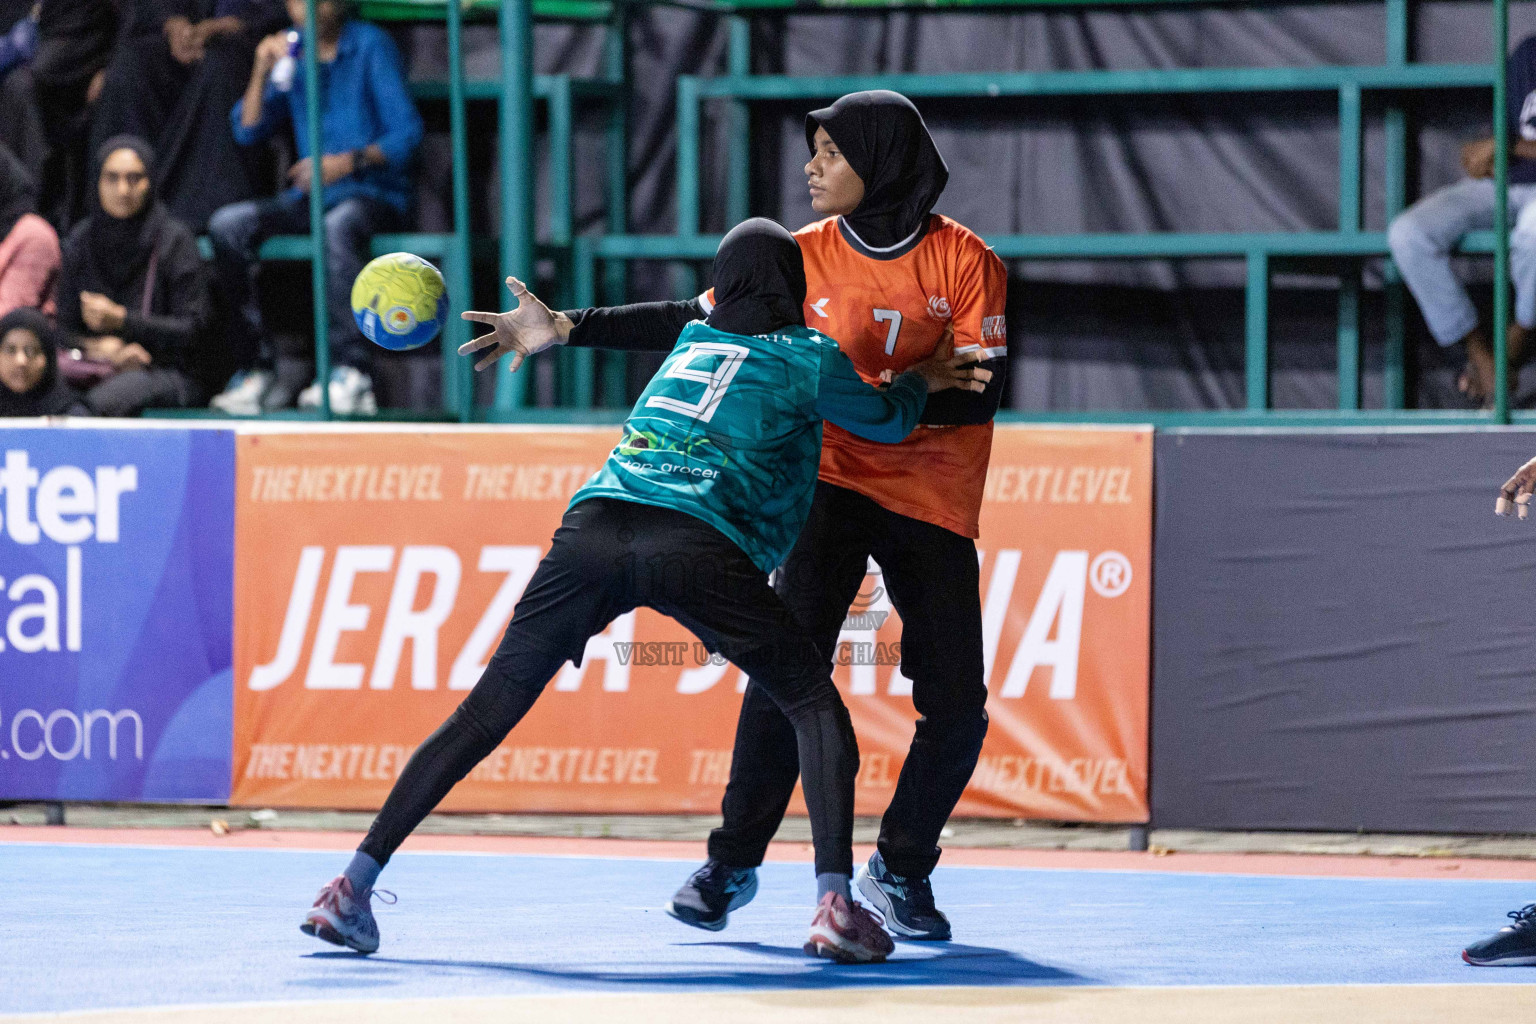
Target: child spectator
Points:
x,y
29,369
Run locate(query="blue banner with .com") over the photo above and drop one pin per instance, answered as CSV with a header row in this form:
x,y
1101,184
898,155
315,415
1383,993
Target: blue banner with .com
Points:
x,y
116,593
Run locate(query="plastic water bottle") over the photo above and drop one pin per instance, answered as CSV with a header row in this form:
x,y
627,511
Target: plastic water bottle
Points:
x,y
283,70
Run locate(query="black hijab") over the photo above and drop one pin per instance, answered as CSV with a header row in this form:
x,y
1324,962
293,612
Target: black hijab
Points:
x,y
51,396
759,280
119,249
884,140
18,192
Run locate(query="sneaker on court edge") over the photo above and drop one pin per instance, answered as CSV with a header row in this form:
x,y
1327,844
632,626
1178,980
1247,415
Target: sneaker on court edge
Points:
x,y
1514,945
343,919
906,903
845,931
711,893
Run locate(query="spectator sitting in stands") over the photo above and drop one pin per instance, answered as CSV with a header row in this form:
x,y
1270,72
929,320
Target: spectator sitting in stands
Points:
x,y
29,369
179,67
74,42
370,133
1422,237
29,248
21,128
18,34
132,289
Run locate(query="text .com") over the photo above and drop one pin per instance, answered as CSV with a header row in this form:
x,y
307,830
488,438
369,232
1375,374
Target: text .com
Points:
x,y
65,735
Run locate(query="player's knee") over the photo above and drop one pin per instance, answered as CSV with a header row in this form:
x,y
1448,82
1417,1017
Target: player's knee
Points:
x,y
518,673
961,729
1522,240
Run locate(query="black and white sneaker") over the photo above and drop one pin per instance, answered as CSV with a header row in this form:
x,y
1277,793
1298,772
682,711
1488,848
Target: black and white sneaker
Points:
x,y
1513,945
906,903
711,893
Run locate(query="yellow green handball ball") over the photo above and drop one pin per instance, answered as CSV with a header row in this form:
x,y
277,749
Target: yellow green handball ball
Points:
x,y
400,301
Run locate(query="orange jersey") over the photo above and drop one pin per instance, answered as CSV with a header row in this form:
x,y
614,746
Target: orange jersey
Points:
x,y
888,315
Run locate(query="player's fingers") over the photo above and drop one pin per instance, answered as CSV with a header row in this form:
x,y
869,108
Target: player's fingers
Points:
x,y
489,360
484,341
471,347
521,293
517,360
479,317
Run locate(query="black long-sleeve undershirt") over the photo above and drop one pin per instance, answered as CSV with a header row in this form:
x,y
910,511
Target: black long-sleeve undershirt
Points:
x,y
654,327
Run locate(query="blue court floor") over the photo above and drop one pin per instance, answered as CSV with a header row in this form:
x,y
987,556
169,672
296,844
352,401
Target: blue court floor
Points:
x,y
100,926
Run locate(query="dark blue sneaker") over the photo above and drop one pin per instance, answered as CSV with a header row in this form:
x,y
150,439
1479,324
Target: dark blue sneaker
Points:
x,y
905,903
711,893
1511,946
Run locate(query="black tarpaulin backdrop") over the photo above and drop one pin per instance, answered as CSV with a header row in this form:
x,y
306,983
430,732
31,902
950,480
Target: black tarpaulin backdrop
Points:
x,y
1342,633
1085,335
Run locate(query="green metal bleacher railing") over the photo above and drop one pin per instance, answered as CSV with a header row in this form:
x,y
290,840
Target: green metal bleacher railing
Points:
x,y
1348,243
518,87
515,92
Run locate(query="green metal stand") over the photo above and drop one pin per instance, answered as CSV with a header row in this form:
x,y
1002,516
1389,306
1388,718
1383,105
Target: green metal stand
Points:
x,y
1500,214
517,180
458,374
312,102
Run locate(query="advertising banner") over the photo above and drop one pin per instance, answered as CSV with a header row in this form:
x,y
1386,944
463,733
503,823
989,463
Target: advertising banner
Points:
x,y
116,552
378,570
1343,642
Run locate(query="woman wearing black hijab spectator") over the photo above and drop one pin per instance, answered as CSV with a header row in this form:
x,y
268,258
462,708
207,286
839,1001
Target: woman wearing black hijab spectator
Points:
x,y
132,288
892,282
179,68
29,369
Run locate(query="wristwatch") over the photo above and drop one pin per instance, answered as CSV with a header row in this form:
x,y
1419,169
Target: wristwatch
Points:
x,y
359,159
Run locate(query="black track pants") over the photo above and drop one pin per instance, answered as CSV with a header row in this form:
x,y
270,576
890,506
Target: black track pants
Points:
x,y
607,558
934,583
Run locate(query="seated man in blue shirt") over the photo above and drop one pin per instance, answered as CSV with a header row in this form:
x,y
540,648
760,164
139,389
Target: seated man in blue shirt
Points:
x,y
1423,239
369,130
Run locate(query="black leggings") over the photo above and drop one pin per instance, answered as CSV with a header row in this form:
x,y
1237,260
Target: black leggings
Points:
x,y
933,581
607,558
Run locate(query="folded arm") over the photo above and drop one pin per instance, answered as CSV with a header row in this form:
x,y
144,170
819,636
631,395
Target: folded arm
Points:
x,y
875,414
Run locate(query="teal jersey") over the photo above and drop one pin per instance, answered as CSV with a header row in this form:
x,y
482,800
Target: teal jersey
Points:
x,y
729,431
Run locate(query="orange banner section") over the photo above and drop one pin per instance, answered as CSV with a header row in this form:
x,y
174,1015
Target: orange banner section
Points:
x,y
376,571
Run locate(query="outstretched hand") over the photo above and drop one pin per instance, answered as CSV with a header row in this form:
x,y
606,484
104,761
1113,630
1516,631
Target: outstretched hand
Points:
x,y
944,369
1515,495
530,328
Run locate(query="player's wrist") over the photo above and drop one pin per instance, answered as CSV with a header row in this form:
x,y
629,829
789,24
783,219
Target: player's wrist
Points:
x,y
563,328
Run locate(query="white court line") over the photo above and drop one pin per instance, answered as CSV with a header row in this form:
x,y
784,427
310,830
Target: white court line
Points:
x,y
694,860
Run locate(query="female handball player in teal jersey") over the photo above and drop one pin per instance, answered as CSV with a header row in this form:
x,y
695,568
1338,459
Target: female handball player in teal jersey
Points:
x,y
704,495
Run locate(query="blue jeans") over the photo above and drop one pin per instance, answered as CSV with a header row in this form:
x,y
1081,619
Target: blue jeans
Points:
x,y
237,231
1422,237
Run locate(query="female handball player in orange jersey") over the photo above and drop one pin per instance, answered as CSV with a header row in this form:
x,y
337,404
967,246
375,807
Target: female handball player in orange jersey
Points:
x,y
890,281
